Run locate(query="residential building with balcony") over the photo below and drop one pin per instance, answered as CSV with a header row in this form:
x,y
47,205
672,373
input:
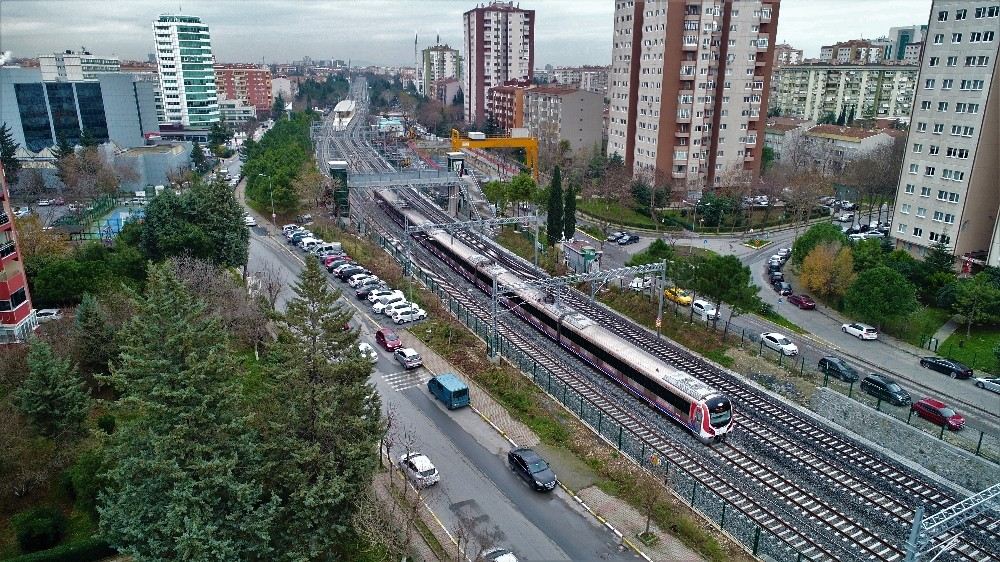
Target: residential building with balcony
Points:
x,y
785,54
438,63
248,83
590,78
814,90
186,77
855,51
554,114
900,41
689,87
17,317
500,46
505,104
948,183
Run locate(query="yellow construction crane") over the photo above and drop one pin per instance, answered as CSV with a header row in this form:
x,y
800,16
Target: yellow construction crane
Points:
x,y
529,144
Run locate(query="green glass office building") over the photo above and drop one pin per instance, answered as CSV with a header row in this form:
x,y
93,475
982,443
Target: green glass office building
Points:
x,y
188,95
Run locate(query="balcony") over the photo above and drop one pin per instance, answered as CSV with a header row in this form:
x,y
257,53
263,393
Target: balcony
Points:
x,y
7,248
762,44
765,16
682,134
683,118
678,175
4,219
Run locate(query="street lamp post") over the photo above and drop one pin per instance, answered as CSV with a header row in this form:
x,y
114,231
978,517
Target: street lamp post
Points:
x,y
270,192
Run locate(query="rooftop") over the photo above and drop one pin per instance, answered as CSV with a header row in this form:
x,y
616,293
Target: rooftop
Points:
x,y
556,90
850,134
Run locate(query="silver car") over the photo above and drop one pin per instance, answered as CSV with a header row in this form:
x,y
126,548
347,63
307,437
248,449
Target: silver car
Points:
x,y
993,385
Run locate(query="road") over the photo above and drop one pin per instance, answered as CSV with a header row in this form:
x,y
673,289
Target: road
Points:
x,y
824,331
475,482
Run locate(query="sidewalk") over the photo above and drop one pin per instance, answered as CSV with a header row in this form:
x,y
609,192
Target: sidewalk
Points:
x,y
418,546
606,509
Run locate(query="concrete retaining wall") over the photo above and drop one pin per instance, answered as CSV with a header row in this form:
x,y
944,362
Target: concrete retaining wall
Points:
x,y
950,462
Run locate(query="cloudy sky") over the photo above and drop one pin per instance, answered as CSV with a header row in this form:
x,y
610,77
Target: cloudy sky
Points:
x,y
381,31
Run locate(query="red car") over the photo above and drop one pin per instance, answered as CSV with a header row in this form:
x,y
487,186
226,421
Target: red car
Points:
x,y
388,339
938,413
805,302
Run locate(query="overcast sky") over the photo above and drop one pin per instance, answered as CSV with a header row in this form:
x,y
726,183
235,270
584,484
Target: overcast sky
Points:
x,y
568,32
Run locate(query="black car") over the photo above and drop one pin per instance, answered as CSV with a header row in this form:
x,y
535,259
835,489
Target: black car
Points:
x,y
777,276
953,369
347,272
628,239
838,368
782,287
532,468
884,388
772,267
366,289
336,263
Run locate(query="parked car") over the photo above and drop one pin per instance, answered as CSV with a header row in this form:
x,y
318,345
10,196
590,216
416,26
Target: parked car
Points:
x,y
845,217
288,228
392,308
379,305
776,276
364,290
952,368
450,390
860,331
411,314
419,469
773,267
640,284
785,252
614,236
805,302
779,343
857,237
58,201
334,263
249,221
680,296
782,287
532,468
499,555
22,212
48,314
44,202
408,357
705,310
884,388
388,339
992,385
374,295
938,413
367,351
838,368
628,239
350,271
357,279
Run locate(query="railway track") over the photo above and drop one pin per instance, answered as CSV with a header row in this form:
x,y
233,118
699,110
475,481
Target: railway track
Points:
x,y
885,511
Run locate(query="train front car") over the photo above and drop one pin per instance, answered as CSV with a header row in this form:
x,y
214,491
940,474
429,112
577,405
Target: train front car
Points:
x,y
719,421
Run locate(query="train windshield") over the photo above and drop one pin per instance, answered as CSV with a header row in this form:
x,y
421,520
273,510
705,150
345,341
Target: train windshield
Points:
x,y
720,411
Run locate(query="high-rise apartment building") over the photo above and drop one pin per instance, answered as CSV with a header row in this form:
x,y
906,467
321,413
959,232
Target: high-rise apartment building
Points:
x,y
785,54
557,114
499,47
857,51
17,318
438,63
250,84
815,90
75,67
187,80
948,184
689,86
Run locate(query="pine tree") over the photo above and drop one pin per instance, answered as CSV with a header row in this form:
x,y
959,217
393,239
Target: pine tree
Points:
x,y
198,159
52,395
278,108
841,118
554,222
87,139
220,216
63,147
93,336
188,482
569,214
8,150
325,427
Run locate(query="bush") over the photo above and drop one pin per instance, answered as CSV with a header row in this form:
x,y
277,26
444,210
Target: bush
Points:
x,y
106,423
83,480
39,528
86,550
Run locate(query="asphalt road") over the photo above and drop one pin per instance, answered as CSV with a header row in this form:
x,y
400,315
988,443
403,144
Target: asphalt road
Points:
x,y
476,484
825,336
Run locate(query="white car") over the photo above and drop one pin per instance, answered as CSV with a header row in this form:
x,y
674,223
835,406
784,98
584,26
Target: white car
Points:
x,y
419,469
779,343
249,221
640,284
860,331
856,237
391,309
784,253
411,314
359,278
22,212
374,295
846,217
47,314
44,202
383,302
705,310
367,351
499,555
992,385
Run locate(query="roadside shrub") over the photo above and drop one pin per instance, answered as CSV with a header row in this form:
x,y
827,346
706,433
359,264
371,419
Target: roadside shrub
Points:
x,y
39,528
106,423
83,480
86,550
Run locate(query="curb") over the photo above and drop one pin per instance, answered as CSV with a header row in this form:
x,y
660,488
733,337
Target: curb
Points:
x,y
722,235
621,537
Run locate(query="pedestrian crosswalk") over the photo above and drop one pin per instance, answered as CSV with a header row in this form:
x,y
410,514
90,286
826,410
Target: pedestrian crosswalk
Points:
x,y
407,379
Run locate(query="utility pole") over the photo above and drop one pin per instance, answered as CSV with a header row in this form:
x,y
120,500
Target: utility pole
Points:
x,y
492,352
659,309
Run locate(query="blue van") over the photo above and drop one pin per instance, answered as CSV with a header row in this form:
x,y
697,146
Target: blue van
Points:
x,y
449,389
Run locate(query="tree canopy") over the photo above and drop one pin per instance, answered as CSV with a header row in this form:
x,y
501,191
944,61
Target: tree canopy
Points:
x,y
554,220
816,235
273,163
880,294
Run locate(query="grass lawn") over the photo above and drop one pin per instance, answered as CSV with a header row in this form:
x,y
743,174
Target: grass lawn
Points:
x,y
922,323
976,350
614,213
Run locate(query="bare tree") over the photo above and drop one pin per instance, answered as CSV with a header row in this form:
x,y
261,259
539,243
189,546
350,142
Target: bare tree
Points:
x,y
652,493
271,284
30,183
377,521
876,172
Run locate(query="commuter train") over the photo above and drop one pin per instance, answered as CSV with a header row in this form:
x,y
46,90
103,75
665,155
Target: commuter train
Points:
x,y
704,411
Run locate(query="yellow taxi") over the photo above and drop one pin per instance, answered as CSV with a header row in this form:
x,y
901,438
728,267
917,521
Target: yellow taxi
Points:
x,y
680,296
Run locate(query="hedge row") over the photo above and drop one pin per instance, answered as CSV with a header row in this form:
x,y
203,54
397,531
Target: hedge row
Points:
x,y
87,550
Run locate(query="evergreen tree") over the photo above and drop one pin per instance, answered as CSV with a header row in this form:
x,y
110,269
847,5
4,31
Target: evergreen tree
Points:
x,y
93,336
325,424
220,216
850,116
87,139
569,214
841,118
63,147
52,395
939,259
8,148
198,160
279,107
554,222
188,478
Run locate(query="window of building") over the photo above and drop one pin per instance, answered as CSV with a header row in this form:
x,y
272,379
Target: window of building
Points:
x,y
942,195
934,61
952,61
925,105
917,231
943,15
921,212
960,14
925,192
938,216
938,128
921,127
988,36
929,171
909,188
901,227
929,84
934,149
956,37
914,168
918,148
987,12
939,38
946,83
981,60
35,116
942,106
905,209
